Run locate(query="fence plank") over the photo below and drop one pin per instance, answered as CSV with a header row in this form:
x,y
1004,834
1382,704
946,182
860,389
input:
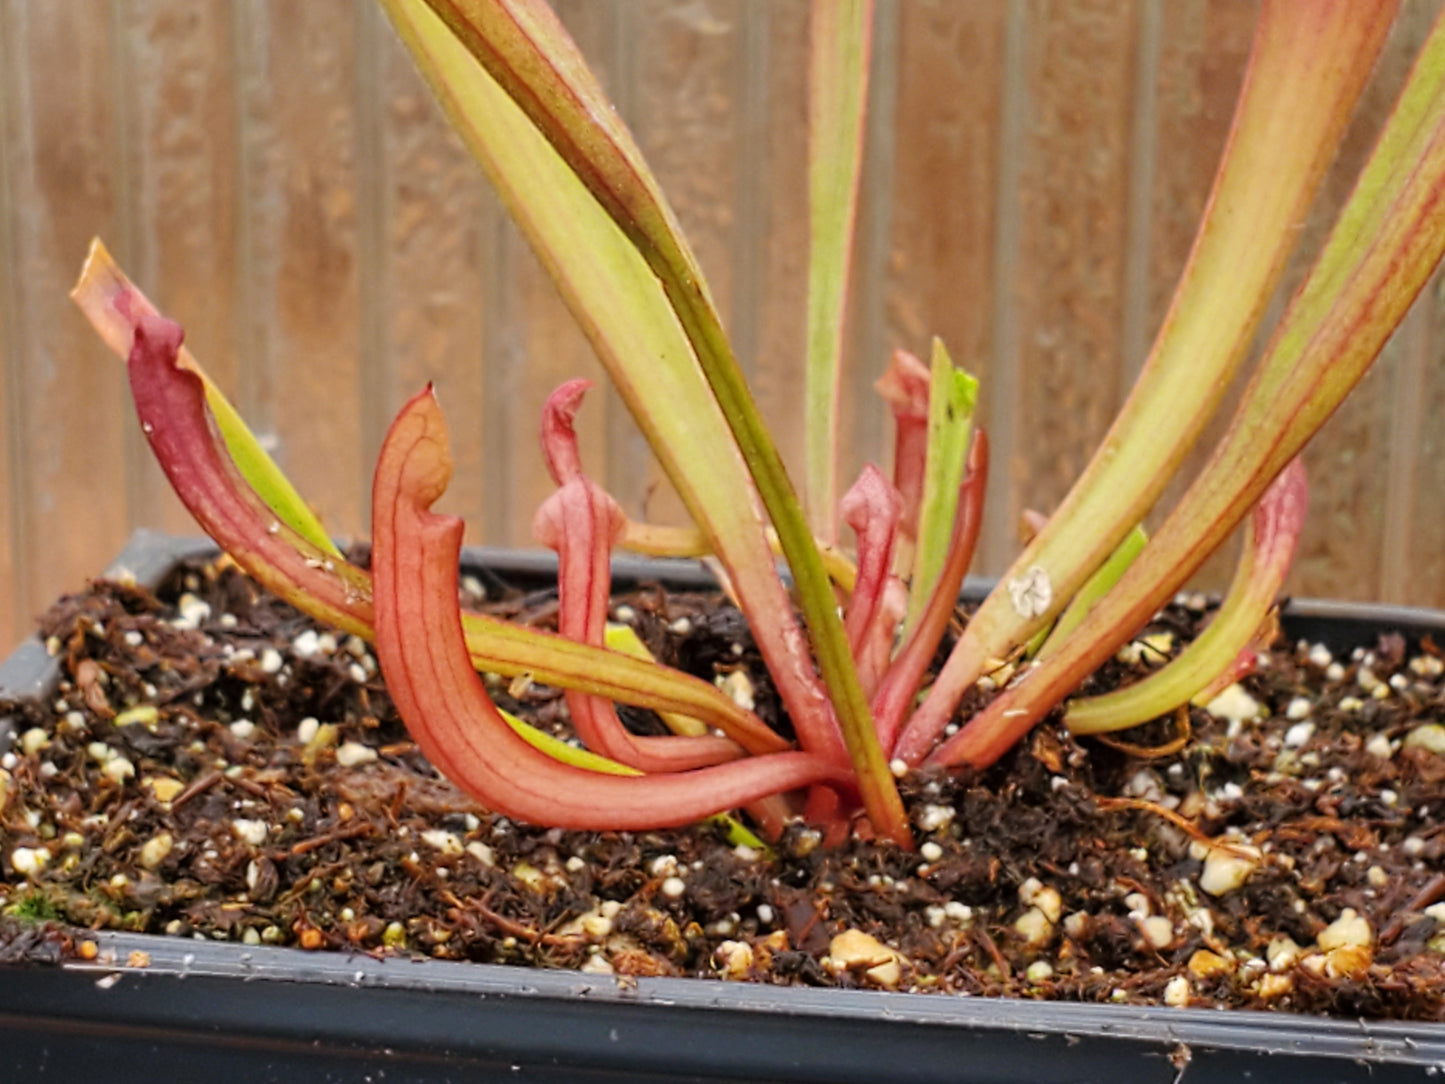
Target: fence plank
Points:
x,y
179,166
297,248
278,178
64,426
768,319
425,284
1072,202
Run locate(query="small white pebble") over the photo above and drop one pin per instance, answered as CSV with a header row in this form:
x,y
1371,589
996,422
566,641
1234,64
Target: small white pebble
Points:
x,y
446,842
739,689
1298,735
1299,708
1427,666
1413,846
1282,954
1427,736
596,965
306,644
933,817
898,767
1224,871
1399,682
765,914
118,769
625,614
1039,971
249,831
29,860
34,740
271,661
481,852
1349,929
930,851
1379,746
1158,931
357,673
1034,927
1365,678
1437,912
1377,876
1389,797
192,610
1320,656
306,729
1047,900
1234,704
673,888
243,728
1176,992
133,638
352,753
155,850
960,913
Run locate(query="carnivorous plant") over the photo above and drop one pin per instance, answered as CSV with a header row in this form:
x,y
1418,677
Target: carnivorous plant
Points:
x,y
847,637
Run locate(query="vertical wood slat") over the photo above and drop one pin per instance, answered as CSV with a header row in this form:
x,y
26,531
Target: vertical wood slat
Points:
x,y
277,177
65,410
298,246
1073,200
180,165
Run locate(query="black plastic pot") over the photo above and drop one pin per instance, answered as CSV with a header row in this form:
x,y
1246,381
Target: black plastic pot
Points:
x,y
156,1008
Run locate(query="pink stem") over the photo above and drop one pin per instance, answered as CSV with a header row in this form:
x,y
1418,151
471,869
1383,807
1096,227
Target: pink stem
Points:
x,y
896,693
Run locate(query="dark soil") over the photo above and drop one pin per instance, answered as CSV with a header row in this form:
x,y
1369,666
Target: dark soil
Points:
x,y
212,767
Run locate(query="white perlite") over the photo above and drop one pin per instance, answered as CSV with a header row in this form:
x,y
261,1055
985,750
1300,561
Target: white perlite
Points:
x,y
447,842
1224,871
1427,736
249,831
1350,929
1031,593
352,753
1176,992
1235,704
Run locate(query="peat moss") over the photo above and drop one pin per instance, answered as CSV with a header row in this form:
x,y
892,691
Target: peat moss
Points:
x,y
275,798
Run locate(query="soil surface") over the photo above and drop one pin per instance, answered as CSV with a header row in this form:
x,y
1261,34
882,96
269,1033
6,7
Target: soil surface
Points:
x,y
215,765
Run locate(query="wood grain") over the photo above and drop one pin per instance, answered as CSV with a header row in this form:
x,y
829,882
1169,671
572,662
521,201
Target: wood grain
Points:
x,y
67,412
277,177
298,247
1068,289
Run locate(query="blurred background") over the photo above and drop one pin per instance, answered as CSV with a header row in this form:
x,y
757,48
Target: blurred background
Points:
x,y
273,175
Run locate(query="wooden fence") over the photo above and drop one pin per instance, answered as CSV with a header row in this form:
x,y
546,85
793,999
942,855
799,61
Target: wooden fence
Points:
x,y
274,175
